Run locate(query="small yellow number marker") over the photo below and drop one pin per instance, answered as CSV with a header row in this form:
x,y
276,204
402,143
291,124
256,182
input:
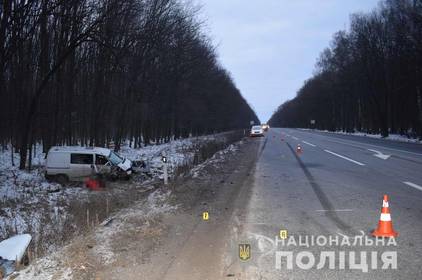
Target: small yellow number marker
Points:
x,y
283,234
205,216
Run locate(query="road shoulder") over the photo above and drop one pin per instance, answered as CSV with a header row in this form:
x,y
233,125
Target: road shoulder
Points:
x,y
162,236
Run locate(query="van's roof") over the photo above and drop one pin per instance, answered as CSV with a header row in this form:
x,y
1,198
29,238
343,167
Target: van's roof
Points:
x,y
79,149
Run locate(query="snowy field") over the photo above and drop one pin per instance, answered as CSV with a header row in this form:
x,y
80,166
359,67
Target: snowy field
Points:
x,y
30,204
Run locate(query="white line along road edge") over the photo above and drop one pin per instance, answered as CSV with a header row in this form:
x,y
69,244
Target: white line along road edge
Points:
x,y
346,158
410,184
307,143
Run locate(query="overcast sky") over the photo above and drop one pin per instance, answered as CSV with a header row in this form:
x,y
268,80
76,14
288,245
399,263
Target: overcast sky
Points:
x,y
270,46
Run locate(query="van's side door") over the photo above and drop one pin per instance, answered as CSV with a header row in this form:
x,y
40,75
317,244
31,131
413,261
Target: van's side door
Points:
x,y
81,165
102,163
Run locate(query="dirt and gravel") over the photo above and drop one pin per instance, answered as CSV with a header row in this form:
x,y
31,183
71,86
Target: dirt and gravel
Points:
x,y
163,235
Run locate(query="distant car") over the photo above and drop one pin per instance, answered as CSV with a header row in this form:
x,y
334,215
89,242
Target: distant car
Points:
x,y
256,130
76,163
265,127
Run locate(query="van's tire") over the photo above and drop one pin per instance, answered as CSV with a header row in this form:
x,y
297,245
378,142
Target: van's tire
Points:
x,y
49,178
62,179
112,177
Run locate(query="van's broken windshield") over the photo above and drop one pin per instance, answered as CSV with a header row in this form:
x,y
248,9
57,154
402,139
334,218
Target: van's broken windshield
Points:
x,y
114,158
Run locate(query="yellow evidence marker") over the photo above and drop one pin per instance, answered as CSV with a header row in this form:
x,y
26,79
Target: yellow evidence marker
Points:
x,y
283,234
205,216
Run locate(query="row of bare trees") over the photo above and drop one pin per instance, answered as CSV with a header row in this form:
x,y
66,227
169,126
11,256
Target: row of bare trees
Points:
x,y
93,72
370,79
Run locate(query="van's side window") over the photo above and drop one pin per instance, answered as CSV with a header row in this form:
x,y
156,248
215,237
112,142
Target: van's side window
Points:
x,y
81,158
100,159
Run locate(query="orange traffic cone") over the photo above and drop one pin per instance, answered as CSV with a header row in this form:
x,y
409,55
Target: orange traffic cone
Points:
x,y
385,225
298,149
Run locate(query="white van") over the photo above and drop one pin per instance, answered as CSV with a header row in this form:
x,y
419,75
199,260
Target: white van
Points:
x,y
75,163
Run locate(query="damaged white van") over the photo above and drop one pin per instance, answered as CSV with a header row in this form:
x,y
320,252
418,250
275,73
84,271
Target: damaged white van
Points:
x,y
73,163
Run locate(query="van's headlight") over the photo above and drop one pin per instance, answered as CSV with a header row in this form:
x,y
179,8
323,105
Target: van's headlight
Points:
x,y
129,172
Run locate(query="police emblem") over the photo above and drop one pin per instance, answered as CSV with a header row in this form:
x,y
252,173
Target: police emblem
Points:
x,y
244,252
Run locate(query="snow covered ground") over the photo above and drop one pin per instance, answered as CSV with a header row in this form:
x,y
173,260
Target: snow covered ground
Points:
x,y
220,156
140,217
393,137
178,152
30,204
55,266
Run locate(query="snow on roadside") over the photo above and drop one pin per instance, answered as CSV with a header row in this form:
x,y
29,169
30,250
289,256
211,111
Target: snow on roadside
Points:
x,y
30,204
156,204
138,217
57,267
216,158
26,198
178,152
392,137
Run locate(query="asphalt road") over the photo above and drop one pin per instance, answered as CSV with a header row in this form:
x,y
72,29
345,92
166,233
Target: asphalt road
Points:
x,y
331,191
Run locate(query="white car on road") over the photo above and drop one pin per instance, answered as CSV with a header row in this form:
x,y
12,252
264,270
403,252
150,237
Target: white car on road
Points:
x,y
256,130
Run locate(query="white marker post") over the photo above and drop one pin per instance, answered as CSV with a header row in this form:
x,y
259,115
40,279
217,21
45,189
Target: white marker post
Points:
x,y
164,160
313,123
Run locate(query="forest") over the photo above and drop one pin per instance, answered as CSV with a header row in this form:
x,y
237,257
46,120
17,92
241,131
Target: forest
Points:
x,y
369,79
95,72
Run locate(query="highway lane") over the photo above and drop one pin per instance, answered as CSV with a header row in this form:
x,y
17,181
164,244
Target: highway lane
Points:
x,y
405,159
385,143
333,188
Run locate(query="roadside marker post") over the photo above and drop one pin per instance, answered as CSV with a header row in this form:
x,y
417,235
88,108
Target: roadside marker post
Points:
x,y
165,172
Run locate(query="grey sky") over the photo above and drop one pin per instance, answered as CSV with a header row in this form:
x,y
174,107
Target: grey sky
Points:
x,y
270,46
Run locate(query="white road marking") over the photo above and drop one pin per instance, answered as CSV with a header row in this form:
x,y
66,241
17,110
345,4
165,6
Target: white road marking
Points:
x,y
307,143
371,145
295,138
346,158
335,210
380,155
413,185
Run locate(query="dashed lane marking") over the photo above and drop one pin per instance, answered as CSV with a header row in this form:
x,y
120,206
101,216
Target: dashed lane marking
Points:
x,y
413,185
307,143
346,158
